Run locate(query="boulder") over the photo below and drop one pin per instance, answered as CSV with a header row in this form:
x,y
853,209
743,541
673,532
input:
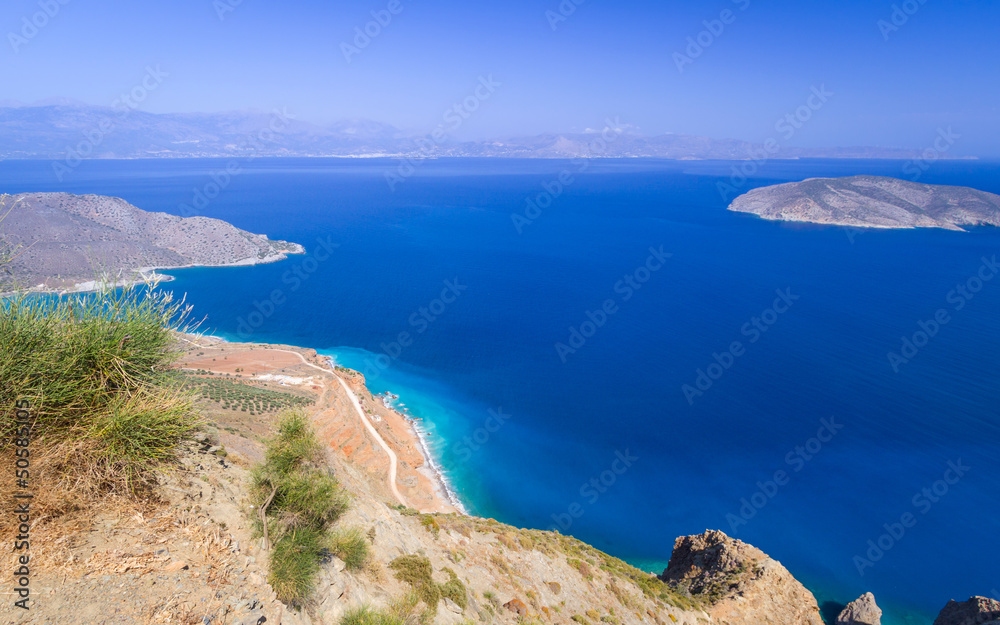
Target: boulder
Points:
x,y
975,611
738,582
517,606
861,611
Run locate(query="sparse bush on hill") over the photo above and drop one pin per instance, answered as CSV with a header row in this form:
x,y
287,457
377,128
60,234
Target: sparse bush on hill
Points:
x,y
351,546
417,571
369,616
294,563
581,556
295,502
454,589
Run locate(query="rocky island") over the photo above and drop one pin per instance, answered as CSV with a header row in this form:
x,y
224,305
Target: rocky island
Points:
x,y
60,240
872,202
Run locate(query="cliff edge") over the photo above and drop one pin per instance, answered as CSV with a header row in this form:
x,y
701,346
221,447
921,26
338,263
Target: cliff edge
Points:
x,y
738,582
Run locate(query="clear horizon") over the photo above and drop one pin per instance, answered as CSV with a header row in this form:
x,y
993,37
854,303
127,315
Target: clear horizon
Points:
x,y
726,69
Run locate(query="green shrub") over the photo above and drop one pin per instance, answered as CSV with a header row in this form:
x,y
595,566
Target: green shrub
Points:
x,y
300,495
295,503
136,434
454,589
350,546
429,522
312,496
294,445
295,562
405,511
368,616
417,572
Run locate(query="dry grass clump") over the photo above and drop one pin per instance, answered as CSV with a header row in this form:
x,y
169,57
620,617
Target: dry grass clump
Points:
x,y
84,384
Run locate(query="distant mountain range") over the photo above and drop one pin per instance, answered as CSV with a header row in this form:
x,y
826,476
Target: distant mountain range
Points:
x,y
63,129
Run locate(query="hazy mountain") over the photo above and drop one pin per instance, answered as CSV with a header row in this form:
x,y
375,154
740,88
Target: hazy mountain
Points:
x,y
61,131
65,129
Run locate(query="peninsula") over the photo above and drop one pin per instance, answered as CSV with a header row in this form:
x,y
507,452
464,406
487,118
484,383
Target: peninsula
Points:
x,y
64,241
872,202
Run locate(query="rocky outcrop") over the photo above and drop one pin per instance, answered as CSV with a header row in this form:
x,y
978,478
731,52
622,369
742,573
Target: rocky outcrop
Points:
x,y
975,611
517,607
872,202
60,238
739,583
861,611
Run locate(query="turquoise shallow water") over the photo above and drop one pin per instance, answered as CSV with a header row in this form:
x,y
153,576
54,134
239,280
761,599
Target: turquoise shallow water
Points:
x,y
566,419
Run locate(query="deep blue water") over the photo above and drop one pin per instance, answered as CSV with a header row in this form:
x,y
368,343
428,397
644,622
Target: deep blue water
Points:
x,y
563,424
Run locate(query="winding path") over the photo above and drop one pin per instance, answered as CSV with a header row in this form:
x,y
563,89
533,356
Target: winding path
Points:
x,y
393,461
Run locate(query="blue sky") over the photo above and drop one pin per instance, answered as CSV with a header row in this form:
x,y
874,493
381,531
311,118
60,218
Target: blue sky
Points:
x,y
937,68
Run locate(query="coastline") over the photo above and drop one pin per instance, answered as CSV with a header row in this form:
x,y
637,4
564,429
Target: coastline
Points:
x,y
432,468
339,424
150,276
437,474
842,224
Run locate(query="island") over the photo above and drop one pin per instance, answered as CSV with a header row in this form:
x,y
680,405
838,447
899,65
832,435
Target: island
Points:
x,y
61,241
872,202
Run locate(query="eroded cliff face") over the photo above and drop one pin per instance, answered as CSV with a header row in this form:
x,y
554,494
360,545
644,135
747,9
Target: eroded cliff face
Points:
x,y
738,583
975,611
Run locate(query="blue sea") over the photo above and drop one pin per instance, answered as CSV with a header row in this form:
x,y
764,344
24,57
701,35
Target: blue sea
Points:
x,y
607,351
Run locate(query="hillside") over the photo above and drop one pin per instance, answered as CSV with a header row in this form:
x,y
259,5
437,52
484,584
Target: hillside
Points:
x,y
190,555
61,239
872,202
